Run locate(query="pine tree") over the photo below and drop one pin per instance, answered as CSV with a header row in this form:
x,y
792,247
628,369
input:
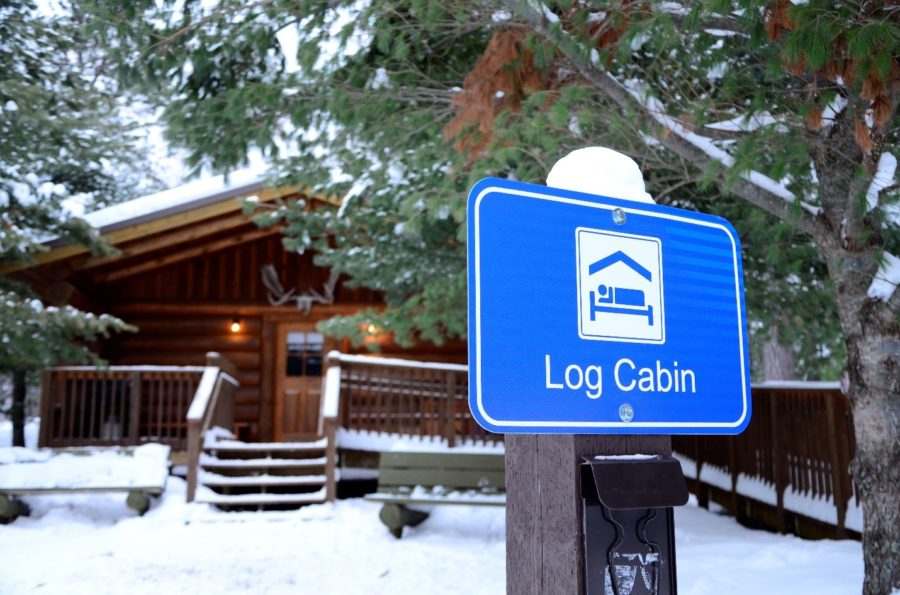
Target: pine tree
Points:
x,y
779,115
59,144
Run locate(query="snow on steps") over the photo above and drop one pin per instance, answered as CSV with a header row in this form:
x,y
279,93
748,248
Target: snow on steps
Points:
x,y
209,461
261,474
215,480
273,447
264,499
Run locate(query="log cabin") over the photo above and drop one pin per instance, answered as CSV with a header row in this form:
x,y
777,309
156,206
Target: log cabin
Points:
x,y
207,290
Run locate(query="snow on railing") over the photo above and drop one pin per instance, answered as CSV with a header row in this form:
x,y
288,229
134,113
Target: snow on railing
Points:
x,y
212,406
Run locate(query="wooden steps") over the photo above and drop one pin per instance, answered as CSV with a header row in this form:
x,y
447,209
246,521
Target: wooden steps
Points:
x,y
263,475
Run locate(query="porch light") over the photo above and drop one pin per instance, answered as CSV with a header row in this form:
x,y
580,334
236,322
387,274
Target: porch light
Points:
x,y
235,326
371,329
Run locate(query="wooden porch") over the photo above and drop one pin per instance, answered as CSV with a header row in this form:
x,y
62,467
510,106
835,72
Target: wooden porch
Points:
x,y
788,472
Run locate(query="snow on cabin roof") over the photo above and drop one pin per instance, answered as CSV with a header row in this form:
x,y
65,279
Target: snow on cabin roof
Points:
x,y
181,198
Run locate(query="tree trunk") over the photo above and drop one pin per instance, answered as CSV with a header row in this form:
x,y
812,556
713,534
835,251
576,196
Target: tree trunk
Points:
x,y
779,362
872,385
18,408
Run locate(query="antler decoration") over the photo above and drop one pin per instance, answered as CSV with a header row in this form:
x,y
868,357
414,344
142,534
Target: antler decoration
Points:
x,y
278,296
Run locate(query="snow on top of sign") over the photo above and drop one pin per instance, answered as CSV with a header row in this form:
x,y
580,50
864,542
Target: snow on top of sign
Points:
x,y
598,170
185,194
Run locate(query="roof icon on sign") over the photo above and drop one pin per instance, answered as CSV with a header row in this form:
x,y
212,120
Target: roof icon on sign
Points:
x,y
623,258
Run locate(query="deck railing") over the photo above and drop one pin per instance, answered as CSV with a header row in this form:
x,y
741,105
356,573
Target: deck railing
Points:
x,y
90,406
404,397
792,460
212,406
794,457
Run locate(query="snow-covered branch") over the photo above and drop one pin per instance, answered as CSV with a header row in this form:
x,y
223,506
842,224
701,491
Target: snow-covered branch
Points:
x,y
884,284
883,178
752,186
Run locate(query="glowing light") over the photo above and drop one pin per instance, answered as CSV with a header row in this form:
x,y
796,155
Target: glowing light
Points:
x,y
235,326
371,329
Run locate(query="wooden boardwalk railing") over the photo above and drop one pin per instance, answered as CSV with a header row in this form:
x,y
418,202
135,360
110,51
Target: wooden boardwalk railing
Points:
x,y
794,459
405,397
789,470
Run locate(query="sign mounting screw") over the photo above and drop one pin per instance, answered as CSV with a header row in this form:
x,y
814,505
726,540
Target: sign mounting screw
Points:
x,y
626,412
618,216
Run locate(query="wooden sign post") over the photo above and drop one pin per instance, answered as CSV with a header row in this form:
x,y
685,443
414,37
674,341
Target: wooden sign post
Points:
x,y
544,525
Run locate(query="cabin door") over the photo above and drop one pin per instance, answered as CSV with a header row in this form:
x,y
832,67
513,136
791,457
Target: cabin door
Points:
x,y
298,382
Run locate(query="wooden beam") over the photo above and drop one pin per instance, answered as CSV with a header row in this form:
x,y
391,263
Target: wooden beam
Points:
x,y
149,265
287,312
183,234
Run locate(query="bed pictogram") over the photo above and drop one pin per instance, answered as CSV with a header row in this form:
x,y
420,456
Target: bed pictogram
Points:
x,y
620,300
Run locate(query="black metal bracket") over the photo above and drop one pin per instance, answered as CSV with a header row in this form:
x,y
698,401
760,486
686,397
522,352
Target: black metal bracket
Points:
x,y
629,533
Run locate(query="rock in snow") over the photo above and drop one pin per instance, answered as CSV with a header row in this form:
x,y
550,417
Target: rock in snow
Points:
x,y
598,170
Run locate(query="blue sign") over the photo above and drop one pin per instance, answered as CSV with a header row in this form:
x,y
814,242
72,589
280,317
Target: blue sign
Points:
x,y
593,315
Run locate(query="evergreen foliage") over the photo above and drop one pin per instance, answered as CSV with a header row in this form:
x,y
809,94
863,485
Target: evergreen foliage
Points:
x,y
62,149
372,105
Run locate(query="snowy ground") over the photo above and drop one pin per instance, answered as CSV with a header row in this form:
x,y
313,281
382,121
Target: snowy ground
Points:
x,y
94,544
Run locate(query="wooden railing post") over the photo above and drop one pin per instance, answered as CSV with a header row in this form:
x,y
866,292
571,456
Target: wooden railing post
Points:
x,y
134,412
450,409
840,495
331,459
329,412
733,463
216,360
47,406
193,457
778,464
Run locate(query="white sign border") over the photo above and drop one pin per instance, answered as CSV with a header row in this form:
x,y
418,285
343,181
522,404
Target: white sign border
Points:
x,y
598,424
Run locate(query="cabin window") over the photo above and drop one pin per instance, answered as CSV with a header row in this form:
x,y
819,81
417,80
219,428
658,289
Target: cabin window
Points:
x,y
304,354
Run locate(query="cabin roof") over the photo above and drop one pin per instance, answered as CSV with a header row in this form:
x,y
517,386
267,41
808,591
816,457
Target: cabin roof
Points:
x,y
212,201
186,197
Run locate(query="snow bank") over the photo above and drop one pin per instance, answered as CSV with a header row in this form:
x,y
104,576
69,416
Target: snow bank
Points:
x,y
98,546
94,544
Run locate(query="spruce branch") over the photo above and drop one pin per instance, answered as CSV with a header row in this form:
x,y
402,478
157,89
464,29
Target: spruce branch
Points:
x,y
753,187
